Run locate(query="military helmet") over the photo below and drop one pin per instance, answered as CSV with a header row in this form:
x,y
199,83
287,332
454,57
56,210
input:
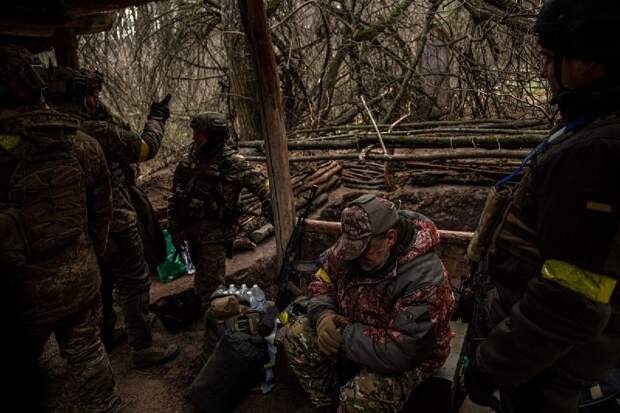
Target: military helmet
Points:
x,y
213,123
581,29
18,66
68,84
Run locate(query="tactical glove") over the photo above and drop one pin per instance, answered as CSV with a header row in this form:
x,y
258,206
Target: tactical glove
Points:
x,y
328,333
480,389
161,110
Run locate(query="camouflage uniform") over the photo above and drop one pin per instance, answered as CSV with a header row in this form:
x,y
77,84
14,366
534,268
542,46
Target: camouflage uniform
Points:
x,y
320,377
124,260
398,318
58,288
205,204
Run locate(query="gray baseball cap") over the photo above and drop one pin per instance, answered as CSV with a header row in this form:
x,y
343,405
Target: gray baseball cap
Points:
x,y
363,218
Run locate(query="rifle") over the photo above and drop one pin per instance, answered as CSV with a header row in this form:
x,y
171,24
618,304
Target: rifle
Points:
x,y
292,252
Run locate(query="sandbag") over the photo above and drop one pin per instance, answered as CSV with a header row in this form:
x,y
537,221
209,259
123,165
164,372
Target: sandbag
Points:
x,y
235,365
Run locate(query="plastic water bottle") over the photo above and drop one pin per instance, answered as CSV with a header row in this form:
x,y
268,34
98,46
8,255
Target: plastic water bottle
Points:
x,y
249,297
187,260
259,297
243,290
232,289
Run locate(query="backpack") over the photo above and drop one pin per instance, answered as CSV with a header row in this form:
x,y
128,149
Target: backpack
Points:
x,y
47,187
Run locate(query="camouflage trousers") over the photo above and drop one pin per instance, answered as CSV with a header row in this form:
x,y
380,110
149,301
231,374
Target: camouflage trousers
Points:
x,y
89,367
368,391
124,263
210,263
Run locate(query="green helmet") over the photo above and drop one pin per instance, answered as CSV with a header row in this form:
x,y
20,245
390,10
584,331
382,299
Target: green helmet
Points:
x,y
581,29
212,123
71,85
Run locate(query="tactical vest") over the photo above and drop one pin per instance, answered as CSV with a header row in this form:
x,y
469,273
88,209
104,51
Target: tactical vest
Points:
x,y
46,187
505,236
207,197
506,239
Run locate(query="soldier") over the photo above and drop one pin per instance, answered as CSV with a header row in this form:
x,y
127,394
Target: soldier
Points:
x,y
378,315
55,195
204,206
551,244
78,92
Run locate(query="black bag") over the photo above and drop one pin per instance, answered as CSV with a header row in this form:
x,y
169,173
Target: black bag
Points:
x,y
149,228
234,367
178,311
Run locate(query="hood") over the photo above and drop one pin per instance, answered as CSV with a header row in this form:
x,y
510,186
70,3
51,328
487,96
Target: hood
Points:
x,y
426,237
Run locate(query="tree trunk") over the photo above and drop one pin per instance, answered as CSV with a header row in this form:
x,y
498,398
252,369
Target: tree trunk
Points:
x,y
272,116
244,94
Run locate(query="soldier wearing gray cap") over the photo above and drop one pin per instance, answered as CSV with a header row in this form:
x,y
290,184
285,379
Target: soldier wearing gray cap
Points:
x,y
204,206
381,302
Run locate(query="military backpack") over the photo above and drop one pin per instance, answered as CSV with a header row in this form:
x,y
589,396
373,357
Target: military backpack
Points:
x,y
47,185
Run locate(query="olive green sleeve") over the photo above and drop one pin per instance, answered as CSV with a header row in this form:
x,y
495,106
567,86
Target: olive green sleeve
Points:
x,y
250,177
98,190
123,145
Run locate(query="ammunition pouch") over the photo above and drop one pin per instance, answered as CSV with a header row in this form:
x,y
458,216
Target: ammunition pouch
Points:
x,y
233,316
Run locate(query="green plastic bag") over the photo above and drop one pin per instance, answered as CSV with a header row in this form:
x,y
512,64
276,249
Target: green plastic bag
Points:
x,y
173,267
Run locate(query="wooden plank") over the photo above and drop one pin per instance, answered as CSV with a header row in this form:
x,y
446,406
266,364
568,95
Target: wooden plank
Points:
x,y
46,27
272,115
332,227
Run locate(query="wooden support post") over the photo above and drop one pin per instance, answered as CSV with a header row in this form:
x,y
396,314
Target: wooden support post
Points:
x,y
65,46
272,114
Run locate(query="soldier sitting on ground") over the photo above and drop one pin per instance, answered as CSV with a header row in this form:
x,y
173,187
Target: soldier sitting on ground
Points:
x,y
55,190
204,206
378,316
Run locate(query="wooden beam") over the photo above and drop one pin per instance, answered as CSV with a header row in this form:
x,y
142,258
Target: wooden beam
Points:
x,y
272,115
65,46
76,8
332,227
46,28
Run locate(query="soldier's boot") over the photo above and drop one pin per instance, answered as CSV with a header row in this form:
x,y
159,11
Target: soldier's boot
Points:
x,y
153,355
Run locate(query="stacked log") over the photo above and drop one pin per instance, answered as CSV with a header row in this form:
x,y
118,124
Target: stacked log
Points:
x,y
325,176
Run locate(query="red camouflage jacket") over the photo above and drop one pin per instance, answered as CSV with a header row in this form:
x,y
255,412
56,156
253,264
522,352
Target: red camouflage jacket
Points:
x,y
399,321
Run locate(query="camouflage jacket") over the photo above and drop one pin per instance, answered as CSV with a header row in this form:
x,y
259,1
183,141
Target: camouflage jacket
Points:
x,y
205,194
122,147
399,321
54,286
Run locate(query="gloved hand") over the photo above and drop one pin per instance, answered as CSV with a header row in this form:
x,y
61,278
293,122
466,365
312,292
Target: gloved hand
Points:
x,y
178,239
267,210
328,333
480,389
161,110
